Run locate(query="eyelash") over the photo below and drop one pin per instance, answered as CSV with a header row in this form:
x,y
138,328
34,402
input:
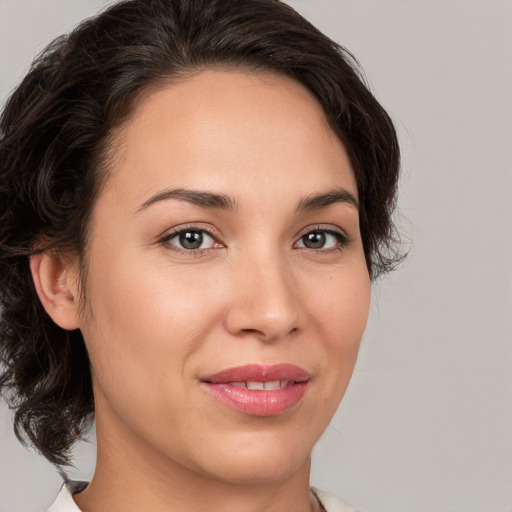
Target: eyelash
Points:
x,y
341,238
166,240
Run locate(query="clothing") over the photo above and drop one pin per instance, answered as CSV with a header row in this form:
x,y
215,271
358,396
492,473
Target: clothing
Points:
x,y
65,502
331,503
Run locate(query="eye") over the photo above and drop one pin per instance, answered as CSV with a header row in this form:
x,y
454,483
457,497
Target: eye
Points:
x,y
191,240
322,239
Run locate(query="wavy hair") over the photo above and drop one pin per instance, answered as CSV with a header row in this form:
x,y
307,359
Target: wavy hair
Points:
x,y
54,143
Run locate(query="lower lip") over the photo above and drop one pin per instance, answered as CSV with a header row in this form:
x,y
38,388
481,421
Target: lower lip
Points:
x,y
258,402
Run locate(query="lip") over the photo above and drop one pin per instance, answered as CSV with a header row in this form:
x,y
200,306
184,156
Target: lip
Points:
x,y
259,402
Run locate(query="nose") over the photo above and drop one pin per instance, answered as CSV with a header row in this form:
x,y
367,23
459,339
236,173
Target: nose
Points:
x,y
265,302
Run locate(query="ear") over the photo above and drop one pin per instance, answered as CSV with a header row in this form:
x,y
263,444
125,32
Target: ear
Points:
x,y
56,283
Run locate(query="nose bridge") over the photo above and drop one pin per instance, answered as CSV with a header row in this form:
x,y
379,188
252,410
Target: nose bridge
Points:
x,y
265,302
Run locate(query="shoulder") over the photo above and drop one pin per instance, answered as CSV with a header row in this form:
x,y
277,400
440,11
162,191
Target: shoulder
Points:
x,y
331,503
64,501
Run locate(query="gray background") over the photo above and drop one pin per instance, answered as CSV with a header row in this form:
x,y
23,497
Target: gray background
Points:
x,y
426,424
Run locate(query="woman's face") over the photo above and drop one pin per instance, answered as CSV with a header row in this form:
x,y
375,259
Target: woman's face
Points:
x,y
224,250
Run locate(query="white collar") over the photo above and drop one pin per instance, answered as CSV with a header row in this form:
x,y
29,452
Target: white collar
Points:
x,y
66,503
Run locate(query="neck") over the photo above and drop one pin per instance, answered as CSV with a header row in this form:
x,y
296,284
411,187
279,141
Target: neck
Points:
x,y
131,476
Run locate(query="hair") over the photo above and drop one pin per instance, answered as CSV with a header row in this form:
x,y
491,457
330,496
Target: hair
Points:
x,y
55,134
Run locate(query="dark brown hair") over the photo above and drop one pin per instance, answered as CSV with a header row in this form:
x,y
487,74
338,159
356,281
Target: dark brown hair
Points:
x,y
54,139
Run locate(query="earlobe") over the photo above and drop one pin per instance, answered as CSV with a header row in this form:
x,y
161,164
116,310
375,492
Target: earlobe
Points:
x,y
55,280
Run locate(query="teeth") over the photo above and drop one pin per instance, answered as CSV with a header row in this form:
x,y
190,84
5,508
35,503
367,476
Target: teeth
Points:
x,y
274,384
255,385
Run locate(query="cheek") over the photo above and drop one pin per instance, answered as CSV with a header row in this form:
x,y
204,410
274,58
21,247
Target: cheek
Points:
x,y
340,301
341,315
145,324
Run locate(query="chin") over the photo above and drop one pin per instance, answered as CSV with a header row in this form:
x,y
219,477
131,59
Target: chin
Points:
x,y
261,459
259,472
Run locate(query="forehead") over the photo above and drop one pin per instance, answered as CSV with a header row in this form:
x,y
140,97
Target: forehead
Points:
x,y
240,132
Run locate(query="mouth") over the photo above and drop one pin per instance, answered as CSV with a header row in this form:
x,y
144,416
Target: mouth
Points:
x,y
259,390
273,384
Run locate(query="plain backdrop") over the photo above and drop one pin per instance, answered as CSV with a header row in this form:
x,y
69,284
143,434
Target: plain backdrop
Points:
x,y
426,425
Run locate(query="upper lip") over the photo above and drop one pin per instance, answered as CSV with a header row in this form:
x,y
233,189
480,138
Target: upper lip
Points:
x,y
259,373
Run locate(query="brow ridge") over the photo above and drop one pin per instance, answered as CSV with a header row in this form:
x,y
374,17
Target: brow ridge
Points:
x,y
224,202
325,199
196,197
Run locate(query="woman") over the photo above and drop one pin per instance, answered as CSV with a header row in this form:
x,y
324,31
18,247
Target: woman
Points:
x,y
195,197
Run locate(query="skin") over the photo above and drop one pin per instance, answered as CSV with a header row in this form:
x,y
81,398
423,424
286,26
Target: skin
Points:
x,y
159,317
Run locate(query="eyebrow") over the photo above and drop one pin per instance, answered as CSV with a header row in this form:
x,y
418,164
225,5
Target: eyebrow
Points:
x,y
318,201
197,197
224,202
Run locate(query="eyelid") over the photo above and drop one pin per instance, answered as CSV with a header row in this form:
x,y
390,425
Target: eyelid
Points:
x,y
190,226
322,227
344,238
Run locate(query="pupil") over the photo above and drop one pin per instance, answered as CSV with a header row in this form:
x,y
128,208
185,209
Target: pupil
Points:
x,y
314,240
191,239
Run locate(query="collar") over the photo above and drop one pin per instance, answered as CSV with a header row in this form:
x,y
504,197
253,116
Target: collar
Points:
x,y
66,503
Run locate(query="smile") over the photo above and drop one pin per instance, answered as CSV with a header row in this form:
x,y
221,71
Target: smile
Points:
x,y
273,384
259,390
